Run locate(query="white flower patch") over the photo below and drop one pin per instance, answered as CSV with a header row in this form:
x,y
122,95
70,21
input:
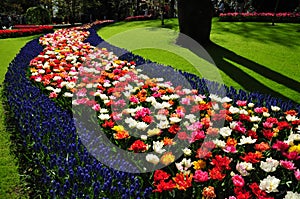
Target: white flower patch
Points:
x,y
128,87
198,98
160,79
187,91
174,96
57,90
269,184
298,128
215,98
226,100
127,94
266,114
46,65
246,140
142,76
225,131
186,151
184,165
291,118
216,107
73,73
132,123
139,84
103,96
233,124
152,159
234,110
70,85
186,123
67,94
275,108
144,137
270,165
255,119
165,97
166,85
41,71
166,105
141,126
151,99
35,74
49,88
251,105
62,84
243,111
104,110
106,85
291,195
158,147
174,120
163,124
104,116
219,143
292,137
153,132
191,118
244,167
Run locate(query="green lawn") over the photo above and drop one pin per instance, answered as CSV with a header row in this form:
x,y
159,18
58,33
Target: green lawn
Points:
x,y
9,177
249,56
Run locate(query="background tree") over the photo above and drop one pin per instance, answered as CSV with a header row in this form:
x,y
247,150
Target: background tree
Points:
x,y
38,15
195,18
91,10
10,7
69,11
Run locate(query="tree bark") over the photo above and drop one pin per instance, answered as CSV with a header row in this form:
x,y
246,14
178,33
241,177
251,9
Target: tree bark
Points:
x,y
195,17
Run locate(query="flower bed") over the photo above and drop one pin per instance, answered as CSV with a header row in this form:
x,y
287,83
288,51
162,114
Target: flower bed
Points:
x,y
139,18
25,26
25,31
261,17
254,153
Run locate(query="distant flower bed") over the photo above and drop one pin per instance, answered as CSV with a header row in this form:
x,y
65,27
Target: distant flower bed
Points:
x,y
24,30
139,18
280,17
26,26
242,145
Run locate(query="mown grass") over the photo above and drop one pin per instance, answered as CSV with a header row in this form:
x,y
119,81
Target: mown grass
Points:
x,y
10,186
251,56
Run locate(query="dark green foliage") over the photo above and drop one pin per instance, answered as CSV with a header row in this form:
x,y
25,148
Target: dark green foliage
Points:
x,y
38,16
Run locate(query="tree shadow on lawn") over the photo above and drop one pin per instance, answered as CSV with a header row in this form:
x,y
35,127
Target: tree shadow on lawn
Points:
x,y
281,33
219,54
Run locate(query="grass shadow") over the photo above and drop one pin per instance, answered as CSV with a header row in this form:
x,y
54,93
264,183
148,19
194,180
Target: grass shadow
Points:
x,y
220,54
283,34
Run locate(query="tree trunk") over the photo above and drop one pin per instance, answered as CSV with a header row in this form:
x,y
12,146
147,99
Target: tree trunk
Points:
x,y
194,17
172,10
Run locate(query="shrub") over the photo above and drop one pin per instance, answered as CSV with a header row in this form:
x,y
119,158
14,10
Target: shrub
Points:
x,y
38,15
